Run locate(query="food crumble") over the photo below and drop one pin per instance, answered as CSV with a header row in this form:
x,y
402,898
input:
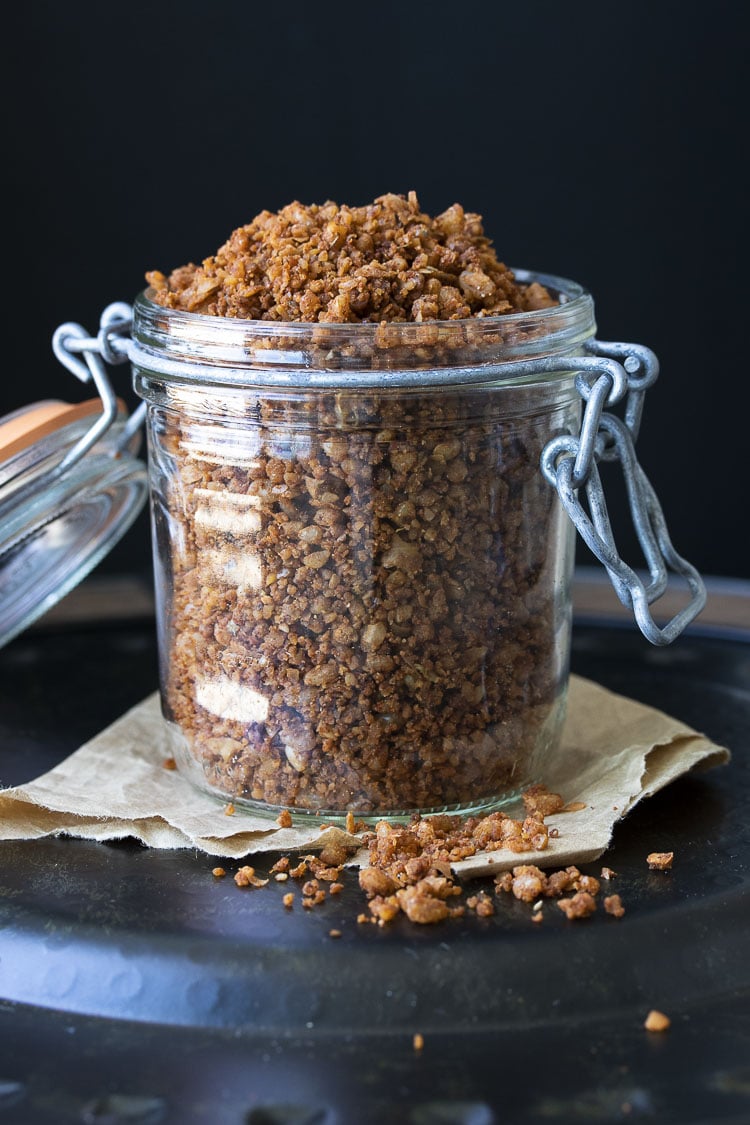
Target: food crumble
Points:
x,y
363,604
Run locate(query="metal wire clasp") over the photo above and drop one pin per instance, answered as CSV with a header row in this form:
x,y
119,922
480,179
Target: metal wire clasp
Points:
x,y
70,342
571,463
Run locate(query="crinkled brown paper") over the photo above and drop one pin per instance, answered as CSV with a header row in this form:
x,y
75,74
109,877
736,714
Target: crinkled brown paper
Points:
x,y
614,753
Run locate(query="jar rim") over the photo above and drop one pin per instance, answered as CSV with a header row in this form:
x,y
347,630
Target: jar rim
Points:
x,y
196,347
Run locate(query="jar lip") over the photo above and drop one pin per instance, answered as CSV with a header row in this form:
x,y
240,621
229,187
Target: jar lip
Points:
x,y
574,298
195,347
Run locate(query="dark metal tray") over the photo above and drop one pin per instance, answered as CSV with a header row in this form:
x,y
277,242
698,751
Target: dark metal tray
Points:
x,y
134,987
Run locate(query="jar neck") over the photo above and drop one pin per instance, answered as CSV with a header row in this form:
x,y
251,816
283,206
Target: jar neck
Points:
x,y
194,349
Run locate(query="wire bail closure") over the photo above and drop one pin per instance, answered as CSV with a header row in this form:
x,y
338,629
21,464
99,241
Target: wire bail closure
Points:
x,y
607,375
571,463
71,341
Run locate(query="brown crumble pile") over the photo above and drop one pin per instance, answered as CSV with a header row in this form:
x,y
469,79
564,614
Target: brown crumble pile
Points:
x,y
409,869
385,261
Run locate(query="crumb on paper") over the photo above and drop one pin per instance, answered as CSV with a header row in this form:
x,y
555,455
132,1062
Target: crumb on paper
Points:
x,y
574,806
284,819
538,800
229,809
656,1021
660,861
169,764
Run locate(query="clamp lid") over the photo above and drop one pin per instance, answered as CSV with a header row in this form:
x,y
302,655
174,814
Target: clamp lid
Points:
x,y
70,486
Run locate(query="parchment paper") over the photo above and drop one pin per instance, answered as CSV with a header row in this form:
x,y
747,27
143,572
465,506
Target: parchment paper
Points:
x,y
614,753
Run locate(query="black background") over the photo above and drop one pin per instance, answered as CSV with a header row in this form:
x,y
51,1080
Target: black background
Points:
x,y
600,142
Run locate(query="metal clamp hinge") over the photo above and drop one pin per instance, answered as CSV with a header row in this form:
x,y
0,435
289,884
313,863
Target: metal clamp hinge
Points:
x,y
70,342
570,464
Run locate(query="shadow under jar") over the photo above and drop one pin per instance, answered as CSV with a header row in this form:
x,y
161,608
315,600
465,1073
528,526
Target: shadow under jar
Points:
x,y
362,575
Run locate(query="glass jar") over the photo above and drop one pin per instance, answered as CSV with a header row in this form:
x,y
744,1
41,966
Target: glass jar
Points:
x,y
362,574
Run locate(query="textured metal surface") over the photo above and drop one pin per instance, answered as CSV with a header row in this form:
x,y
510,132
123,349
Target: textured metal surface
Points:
x,y
135,987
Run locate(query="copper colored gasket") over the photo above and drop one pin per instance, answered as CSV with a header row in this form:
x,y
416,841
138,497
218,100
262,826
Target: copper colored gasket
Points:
x,y
39,421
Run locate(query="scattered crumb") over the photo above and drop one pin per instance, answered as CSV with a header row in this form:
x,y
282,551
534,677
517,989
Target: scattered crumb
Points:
x,y
503,882
410,866
579,906
656,1021
246,877
528,883
218,872
418,1041
660,861
169,764
334,933
554,833
613,905
284,819
481,904
229,810
373,882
